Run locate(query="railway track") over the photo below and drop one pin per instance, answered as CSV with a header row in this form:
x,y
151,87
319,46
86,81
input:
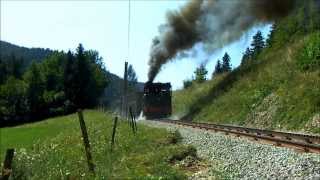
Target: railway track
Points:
x,y
301,142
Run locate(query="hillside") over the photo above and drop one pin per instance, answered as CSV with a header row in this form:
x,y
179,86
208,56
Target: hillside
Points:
x,y
16,60
39,54
27,54
113,92
278,90
53,149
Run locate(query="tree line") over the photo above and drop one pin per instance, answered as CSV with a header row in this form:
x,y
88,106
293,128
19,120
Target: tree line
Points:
x,y
224,65
60,84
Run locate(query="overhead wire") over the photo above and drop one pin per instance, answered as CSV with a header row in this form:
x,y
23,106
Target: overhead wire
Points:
x,y
128,40
124,98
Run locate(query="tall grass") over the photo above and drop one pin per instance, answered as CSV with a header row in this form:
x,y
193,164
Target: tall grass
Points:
x,y
279,89
233,98
53,149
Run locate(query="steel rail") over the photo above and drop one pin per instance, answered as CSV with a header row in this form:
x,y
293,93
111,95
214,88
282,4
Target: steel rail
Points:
x,y
301,137
307,143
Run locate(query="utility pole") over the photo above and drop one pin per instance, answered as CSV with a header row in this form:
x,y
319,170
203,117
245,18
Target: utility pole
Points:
x,y
124,104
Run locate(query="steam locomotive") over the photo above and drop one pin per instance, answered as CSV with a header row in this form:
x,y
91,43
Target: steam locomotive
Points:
x,y
157,100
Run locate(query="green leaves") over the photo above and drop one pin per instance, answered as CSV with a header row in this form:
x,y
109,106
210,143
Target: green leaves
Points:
x,y
51,87
12,98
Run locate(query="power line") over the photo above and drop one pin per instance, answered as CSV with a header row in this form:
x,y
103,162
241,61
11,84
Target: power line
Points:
x,y
128,41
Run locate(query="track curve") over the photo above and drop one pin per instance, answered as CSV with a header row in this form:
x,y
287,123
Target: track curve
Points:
x,y
306,143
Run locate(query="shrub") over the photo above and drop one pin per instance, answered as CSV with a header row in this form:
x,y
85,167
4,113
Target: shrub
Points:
x,y
182,153
176,137
309,55
187,83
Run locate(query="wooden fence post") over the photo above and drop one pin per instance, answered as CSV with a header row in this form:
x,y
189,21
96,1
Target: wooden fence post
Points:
x,y
114,131
7,165
86,141
133,122
129,118
124,101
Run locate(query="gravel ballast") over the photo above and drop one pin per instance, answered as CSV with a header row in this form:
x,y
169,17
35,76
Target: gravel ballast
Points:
x,y
239,158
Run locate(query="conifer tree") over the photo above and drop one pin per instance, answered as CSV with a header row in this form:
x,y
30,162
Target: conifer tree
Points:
x,y
257,43
226,65
132,76
187,83
247,55
69,77
218,68
200,74
270,36
82,78
35,89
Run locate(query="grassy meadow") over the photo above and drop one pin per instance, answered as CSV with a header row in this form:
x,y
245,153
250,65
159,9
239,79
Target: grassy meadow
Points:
x,y
53,149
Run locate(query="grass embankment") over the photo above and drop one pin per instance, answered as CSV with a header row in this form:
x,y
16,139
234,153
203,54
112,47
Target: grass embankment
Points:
x,y
277,89
272,93
53,149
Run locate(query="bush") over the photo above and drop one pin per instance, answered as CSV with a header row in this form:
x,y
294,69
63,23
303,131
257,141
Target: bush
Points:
x,y
187,83
182,153
309,56
176,137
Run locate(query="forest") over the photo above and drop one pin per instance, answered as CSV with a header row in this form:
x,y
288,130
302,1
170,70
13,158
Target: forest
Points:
x,y
59,84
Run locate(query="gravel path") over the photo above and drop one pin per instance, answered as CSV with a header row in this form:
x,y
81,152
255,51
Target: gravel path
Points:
x,y
239,158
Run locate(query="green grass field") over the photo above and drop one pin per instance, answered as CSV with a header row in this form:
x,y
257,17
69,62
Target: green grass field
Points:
x,y
53,149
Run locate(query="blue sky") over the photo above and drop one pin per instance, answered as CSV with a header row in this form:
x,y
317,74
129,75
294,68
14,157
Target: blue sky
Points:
x,y
103,26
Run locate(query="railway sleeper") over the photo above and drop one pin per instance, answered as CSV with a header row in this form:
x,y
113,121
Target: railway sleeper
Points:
x,y
308,141
271,135
288,138
278,143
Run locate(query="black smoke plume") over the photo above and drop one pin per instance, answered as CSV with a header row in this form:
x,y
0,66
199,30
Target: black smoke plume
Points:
x,y
215,23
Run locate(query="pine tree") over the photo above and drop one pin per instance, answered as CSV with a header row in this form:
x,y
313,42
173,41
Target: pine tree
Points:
x,y
132,76
69,77
257,43
83,77
247,55
270,36
35,89
187,83
226,65
218,68
200,74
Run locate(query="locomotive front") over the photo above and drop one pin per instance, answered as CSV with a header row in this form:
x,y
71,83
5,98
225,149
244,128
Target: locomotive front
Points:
x,y
157,100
